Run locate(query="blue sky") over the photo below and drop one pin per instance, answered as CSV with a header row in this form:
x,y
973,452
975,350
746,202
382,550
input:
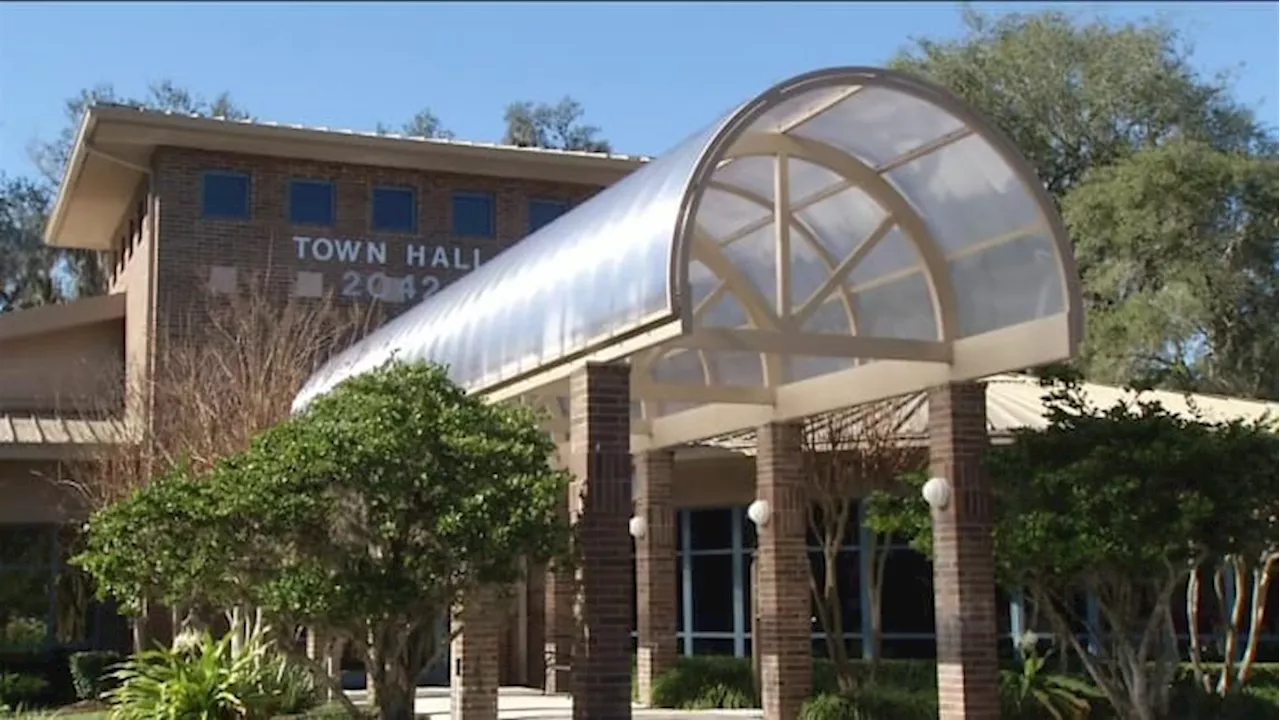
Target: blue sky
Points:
x,y
647,73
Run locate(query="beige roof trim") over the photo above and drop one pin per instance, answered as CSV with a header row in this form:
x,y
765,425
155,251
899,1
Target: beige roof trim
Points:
x,y
113,148
45,437
1016,402
53,318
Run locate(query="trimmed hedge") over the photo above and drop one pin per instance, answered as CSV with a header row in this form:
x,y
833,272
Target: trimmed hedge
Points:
x,y
89,672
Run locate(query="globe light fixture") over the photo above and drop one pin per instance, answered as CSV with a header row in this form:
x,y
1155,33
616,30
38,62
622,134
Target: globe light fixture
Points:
x,y
637,526
759,512
937,492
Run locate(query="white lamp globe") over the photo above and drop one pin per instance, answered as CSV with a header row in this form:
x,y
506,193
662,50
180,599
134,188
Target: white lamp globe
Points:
x,y
637,526
937,492
759,512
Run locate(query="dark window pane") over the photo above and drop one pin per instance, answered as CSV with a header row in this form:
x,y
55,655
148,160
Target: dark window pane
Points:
x,y
394,209
542,212
712,593
681,619
24,607
225,195
311,202
712,646
748,528
473,215
711,529
847,576
635,617
1003,608
907,602
748,589
910,649
27,545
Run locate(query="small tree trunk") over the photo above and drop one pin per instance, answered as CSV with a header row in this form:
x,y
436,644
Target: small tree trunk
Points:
x,y
1261,584
1193,629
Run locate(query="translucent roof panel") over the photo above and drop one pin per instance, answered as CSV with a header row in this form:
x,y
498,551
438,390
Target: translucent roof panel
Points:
x,y
854,227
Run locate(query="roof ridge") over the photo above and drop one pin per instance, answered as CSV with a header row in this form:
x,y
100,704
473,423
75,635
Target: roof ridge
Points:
x,y
255,121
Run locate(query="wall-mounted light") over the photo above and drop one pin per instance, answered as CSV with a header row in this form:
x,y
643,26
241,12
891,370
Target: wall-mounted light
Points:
x,y
937,492
637,526
759,512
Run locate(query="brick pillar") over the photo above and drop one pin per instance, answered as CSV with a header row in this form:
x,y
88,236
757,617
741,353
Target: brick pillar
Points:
x,y
964,556
473,677
655,569
600,457
559,624
784,647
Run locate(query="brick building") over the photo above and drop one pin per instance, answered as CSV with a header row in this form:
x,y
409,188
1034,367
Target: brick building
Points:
x,y
653,321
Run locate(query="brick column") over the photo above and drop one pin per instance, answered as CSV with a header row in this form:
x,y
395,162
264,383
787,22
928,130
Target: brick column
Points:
x,y
784,647
600,452
655,569
473,677
964,558
536,629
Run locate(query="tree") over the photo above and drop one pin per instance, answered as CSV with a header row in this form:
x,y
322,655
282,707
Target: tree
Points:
x,y
370,517
845,456
33,274
424,124
1083,97
556,127
26,266
1179,236
222,374
1125,503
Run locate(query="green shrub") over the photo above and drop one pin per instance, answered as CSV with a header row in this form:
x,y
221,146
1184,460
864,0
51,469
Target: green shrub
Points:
x,y
1032,692
89,672
19,689
874,702
830,706
24,633
909,674
205,679
705,682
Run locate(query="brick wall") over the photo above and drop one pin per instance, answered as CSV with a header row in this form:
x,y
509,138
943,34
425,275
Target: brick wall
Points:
x,y
190,246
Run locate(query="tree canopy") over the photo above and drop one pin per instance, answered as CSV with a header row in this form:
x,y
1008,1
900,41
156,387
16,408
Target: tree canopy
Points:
x,y
556,127
1125,502
370,517
1166,181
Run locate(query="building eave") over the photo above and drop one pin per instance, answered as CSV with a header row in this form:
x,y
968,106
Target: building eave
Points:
x,y
114,146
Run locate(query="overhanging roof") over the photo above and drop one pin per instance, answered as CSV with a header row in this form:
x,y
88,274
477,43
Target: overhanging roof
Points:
x,y
1017,402
114,145
55,437
849,235
63,316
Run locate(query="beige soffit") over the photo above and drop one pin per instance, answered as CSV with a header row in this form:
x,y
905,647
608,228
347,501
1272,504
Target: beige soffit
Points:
x,y
53,318
113,147
50,437
1016,402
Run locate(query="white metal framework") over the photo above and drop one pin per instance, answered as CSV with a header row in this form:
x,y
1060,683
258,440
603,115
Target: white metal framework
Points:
x,y
851,234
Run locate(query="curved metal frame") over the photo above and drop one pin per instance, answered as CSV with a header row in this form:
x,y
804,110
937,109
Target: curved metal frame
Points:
x,y
464,324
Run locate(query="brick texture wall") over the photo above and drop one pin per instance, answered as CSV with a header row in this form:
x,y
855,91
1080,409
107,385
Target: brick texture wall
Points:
x,y
600,458
782,574
964,558
655,569
263,246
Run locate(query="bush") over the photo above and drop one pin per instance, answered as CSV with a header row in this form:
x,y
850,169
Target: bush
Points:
x,y
205,679
89,672
19,689
908,674
874,702
705,683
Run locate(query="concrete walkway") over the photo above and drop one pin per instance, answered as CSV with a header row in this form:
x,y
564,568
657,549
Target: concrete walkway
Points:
x,y
517,703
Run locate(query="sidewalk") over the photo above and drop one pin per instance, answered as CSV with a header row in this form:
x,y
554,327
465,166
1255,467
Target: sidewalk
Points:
x,y
517,703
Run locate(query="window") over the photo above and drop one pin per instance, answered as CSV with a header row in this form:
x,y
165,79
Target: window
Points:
x,y
395,209
311,202
542,212
473,215
224,195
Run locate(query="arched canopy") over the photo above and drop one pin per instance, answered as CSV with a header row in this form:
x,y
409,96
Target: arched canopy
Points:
x,y
849,235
